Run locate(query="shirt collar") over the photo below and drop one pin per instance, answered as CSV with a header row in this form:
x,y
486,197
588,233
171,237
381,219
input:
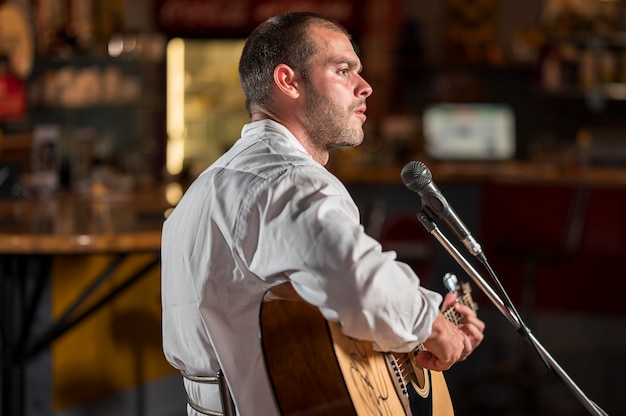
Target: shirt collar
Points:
x,y
271,126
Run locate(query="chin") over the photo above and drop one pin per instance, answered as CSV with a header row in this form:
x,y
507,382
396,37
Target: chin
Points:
x,y
355,142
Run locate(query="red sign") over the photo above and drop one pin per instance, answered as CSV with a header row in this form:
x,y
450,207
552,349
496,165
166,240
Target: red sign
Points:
x,y
223,18
12,97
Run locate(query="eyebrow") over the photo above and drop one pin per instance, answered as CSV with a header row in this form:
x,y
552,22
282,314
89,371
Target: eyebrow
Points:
x,y
350,62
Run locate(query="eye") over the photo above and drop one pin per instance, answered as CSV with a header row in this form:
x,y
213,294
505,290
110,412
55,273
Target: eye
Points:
x,y
344,71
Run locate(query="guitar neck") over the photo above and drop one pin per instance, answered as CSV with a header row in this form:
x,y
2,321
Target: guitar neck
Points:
x,y
466,299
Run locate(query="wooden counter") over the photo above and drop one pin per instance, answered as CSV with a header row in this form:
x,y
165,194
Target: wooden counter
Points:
x,y
125,222
87,249
73,224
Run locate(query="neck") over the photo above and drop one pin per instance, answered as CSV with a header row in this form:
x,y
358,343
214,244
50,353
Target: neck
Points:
x,y
262,115
318,154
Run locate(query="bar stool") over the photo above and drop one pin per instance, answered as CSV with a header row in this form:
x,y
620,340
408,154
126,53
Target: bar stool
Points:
x,y
228,407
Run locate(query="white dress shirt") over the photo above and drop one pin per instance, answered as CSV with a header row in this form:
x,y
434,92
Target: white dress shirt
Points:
x,y
266,213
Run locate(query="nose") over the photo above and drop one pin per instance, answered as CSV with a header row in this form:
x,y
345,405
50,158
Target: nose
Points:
x,y
364,89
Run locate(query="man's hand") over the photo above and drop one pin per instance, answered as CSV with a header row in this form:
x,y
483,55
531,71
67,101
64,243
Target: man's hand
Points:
x,y
469,323
447,343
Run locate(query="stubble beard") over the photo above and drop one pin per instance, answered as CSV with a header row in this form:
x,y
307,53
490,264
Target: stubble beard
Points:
x,y
328,124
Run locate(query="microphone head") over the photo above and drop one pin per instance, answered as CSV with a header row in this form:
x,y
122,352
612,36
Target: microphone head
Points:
x,y
416,176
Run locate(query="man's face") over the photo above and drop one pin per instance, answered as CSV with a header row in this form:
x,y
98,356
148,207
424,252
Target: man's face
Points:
x,y
335,93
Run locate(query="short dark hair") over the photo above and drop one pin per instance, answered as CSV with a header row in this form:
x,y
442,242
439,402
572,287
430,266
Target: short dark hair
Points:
x,y
282,39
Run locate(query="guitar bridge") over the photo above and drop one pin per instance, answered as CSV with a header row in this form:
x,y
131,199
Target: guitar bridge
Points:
x,y
397,371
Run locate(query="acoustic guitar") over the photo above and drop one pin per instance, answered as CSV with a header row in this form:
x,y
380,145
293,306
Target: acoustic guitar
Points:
x,y
317,370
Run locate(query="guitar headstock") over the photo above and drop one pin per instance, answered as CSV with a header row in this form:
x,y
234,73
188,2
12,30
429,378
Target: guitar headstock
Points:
x,y
463,291
451,283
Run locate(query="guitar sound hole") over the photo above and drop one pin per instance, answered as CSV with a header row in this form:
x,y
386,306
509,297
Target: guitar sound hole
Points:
x,y
420,379
420,404
419,376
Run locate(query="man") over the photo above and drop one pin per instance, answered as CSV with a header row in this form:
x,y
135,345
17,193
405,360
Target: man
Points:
x,y
268,212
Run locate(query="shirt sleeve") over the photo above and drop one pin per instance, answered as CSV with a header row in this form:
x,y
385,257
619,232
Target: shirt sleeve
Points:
x,y
305,226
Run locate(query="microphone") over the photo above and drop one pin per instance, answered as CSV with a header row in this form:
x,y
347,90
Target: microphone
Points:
x,y
418,178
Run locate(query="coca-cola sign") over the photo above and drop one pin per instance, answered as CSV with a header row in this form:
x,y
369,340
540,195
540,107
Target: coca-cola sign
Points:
x,y
239,17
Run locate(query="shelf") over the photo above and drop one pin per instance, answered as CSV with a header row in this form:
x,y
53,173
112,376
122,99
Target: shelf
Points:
x,y
503,172
594,40
15,141
608,91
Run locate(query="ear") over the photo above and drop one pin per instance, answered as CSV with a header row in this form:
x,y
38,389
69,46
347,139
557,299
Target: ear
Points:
x,y
285,80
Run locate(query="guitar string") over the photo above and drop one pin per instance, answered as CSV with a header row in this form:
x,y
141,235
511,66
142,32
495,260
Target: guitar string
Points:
x,y
404,362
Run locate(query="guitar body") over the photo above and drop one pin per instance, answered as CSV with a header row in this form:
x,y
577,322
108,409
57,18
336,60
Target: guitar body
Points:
x,y
316,370
369,377
300,360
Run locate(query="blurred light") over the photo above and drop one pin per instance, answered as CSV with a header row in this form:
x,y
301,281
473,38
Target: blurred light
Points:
x,y
173,193
116,46
175,106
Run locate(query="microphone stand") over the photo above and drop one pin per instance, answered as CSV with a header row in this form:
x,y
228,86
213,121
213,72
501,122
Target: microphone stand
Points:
x,y
510,314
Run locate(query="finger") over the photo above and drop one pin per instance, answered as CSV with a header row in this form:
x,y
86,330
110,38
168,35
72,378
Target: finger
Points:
x,y
448,301
473,333
472,321
469,316
464,309
429,361
467,347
